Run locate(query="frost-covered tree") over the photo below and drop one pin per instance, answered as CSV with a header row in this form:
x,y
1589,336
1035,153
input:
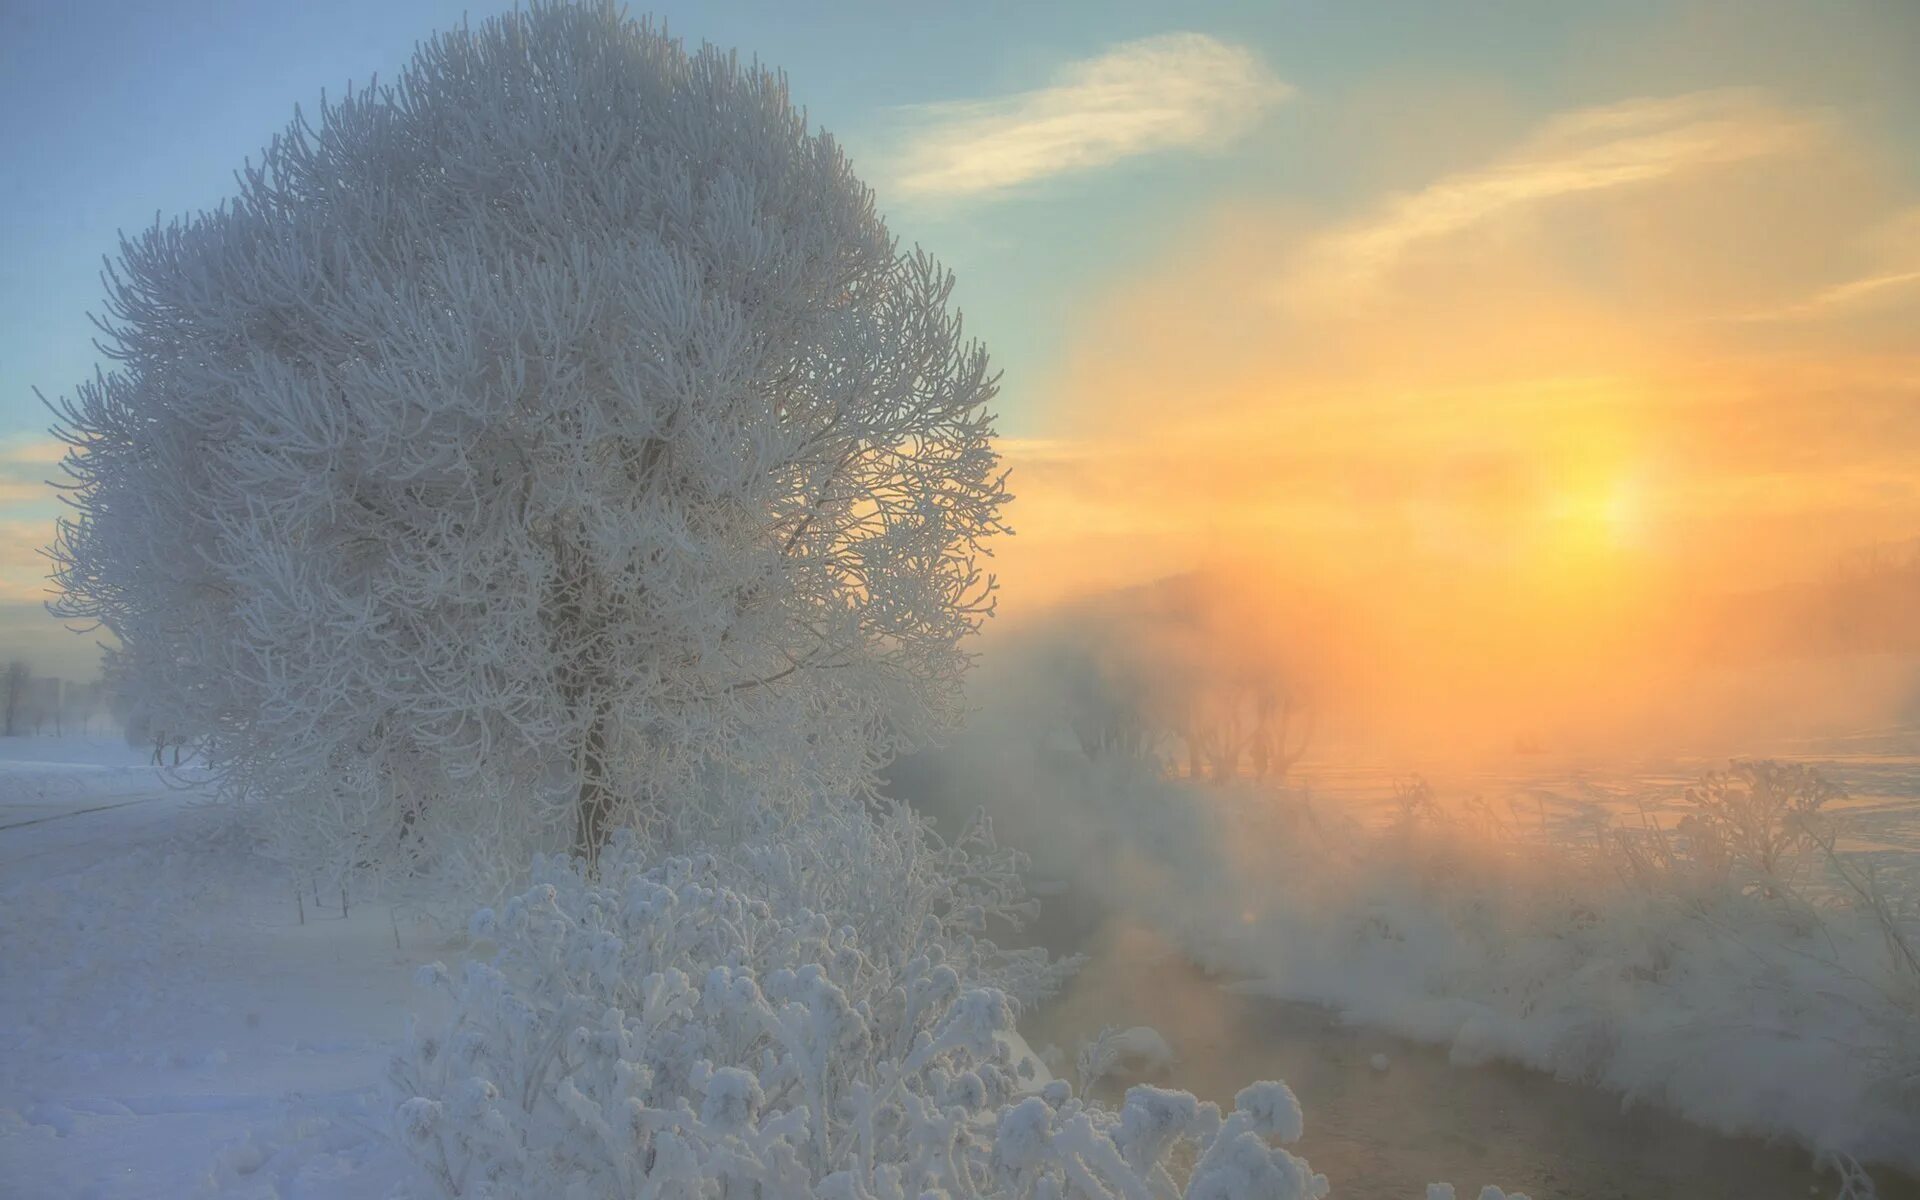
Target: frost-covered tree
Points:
x,y
552,440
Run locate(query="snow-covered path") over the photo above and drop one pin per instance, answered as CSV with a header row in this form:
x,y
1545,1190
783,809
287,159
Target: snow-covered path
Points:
x,y
44,840
168,1026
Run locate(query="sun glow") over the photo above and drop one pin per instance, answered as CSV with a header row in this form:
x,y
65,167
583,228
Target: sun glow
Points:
x,y
1512,485
1609,517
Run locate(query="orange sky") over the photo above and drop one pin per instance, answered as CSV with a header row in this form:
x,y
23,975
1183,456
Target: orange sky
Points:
x,y
1521,415
1664,330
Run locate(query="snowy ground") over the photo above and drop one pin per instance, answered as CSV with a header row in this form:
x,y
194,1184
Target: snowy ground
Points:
x,y
171,1029
169,1026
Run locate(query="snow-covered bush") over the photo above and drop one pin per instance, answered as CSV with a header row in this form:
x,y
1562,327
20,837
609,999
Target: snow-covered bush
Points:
x,y
1140,1050
549,440
658,1033
1758,818
883,872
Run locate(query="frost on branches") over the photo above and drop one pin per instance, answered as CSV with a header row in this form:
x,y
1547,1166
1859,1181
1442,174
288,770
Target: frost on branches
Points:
x,y
550,441
658,1033
884,872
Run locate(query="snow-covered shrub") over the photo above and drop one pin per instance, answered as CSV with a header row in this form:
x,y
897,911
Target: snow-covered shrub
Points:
x,y
882,871
658,1033
1759,818
1140,1050
550,439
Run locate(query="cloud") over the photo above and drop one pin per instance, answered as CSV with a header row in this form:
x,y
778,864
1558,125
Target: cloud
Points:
x,y
1615,146
1139,97
26,464
28,506
23,565
1890,277
1855,293
28,449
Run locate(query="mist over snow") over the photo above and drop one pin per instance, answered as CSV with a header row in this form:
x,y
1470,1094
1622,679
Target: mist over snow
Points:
x,y
1727,942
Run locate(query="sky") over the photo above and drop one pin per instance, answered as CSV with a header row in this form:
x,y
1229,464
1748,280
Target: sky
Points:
x,y
1554,308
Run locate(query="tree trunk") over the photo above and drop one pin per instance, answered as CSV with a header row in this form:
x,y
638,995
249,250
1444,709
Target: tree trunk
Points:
x,y
1287,756
594,808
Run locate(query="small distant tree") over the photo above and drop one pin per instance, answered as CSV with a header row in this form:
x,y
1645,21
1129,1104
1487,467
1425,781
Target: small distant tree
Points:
x,y
1283,724
17,681
553,440
1227,716
1760,816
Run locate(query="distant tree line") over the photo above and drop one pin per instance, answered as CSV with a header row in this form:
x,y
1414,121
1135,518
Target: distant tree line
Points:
x,y
37,704
1187,673
1205,718
1865,603
42,704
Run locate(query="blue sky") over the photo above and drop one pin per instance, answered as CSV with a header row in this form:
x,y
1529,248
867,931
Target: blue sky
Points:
x,y
1294,122
112,113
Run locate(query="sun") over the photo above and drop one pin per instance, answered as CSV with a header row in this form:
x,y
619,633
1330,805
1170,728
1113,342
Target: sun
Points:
x,y
1623,512
1603,516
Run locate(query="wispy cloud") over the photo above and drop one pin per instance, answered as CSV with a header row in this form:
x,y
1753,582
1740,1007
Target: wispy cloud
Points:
x,y
1888,275
1157,93
23,566
1634,142
1844,297
31,449
26,463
